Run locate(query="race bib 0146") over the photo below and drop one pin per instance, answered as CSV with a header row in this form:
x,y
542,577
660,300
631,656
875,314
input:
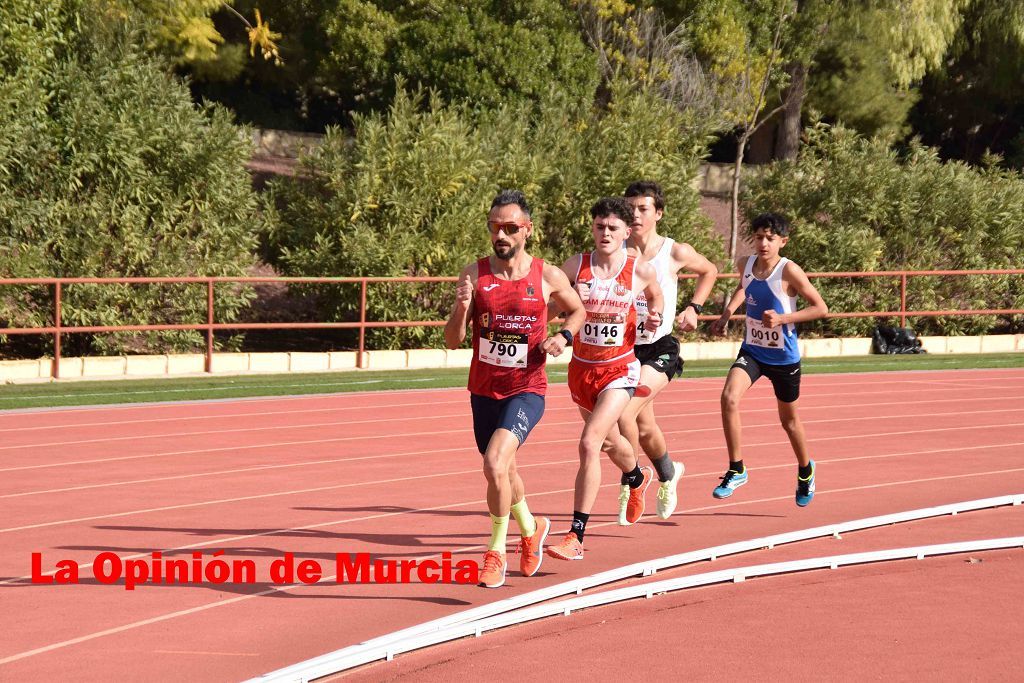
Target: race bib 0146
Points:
x,y
603,330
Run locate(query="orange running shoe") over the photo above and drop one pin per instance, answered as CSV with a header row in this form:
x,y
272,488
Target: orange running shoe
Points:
x,y
493,573
631,501
531,548
569,549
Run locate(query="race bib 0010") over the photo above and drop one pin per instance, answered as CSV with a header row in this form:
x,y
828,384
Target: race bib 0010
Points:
x,y
767,337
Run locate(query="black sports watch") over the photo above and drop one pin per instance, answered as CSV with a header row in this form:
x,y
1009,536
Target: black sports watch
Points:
x,y
697,308
568,336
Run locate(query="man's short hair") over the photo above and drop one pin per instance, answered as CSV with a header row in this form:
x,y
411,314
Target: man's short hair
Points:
x,y
612,206
506,197
772,222
647,188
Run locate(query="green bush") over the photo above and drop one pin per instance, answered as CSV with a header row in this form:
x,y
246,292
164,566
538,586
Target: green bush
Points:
x,y
107,169
408,193
859,205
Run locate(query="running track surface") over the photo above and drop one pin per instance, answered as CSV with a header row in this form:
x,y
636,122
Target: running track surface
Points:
x,y
396,475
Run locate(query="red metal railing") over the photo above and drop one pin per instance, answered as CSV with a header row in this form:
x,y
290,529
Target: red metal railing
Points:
x,y
211,326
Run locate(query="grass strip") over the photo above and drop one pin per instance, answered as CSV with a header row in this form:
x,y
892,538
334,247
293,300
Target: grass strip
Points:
x,y
63,393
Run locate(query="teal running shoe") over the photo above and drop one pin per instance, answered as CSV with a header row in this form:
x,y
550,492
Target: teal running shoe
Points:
x,y
805,488
731,481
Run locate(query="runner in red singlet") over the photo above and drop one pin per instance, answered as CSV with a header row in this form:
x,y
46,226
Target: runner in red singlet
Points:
x,y
604,372
507,296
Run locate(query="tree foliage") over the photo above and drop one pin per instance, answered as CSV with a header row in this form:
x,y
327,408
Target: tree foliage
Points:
x,y
740,44
643,45
853,80
974,103
858,205
409,192
107,169
858,60
184,31
486,53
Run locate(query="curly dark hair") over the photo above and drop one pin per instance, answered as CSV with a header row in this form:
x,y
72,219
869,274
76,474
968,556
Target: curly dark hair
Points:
x,y
612,206
772,222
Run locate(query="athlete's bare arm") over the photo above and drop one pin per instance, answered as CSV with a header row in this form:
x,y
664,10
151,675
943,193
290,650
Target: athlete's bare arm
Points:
x,y
719,326
652,291
570,268
797,283
455,329
687,258
565,299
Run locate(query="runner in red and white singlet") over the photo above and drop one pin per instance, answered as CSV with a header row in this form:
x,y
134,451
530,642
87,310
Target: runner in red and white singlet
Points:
x,y
603,352
507,296
603,372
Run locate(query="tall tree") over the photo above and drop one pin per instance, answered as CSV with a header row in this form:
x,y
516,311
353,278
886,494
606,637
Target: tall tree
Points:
x,y
741,44
916,37
342,57
974,103
294,95
853,80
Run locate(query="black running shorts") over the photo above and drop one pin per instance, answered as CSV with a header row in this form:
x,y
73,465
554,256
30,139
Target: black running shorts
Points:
x,y
785,379
662,355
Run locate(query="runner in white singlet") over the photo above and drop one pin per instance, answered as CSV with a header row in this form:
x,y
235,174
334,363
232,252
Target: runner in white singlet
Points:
x,y
656,349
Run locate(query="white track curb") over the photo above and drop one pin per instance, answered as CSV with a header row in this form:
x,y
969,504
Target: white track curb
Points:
x,y
507,612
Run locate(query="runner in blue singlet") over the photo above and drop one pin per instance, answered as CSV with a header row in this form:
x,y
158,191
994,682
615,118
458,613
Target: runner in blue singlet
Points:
x,y
770,285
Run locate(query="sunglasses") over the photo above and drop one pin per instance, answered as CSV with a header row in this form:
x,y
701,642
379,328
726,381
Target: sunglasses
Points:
x,y
507,228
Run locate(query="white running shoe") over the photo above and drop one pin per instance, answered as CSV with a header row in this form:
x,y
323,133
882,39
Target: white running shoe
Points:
x,y
667,496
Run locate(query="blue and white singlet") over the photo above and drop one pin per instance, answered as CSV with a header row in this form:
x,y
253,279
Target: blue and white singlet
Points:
x,y
769,345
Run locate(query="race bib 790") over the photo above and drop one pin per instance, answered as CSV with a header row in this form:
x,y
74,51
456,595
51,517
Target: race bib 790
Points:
x,y
504,349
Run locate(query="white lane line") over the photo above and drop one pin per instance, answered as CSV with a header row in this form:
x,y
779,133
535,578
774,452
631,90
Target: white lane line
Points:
x,y
195,475
474,471
239,598
22,413
234,387
242,447
461,415
207,654
689,382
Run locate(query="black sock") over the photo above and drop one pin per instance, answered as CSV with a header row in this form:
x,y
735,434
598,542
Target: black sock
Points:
x,y
663,466
805,472
736,466
579,523
634,478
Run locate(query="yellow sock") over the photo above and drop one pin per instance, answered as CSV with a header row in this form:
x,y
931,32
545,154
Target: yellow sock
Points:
x,y
499,532
527,524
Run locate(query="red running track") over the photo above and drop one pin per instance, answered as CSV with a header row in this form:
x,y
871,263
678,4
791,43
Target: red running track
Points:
x,y
396,475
